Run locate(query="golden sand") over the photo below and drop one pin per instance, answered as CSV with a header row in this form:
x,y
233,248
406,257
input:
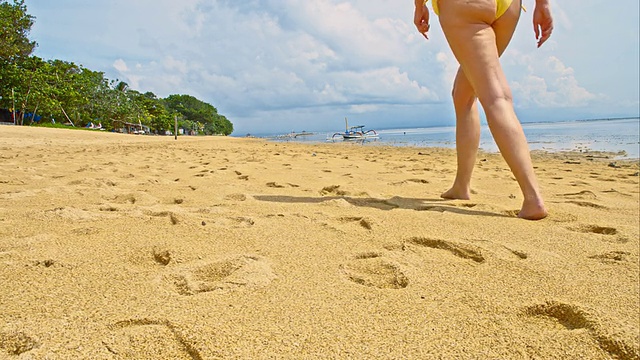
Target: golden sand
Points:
x,y
135,247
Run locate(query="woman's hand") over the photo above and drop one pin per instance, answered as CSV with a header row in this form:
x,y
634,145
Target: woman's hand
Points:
x,y
421,19
542,21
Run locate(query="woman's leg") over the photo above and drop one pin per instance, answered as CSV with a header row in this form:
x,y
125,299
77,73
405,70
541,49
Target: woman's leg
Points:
x,y
467,136
473,41
468,119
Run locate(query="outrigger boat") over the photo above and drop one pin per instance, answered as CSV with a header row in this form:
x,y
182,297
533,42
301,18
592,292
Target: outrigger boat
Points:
x,y
355,132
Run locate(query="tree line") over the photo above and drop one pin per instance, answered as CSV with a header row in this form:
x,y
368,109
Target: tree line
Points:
x,y
37,91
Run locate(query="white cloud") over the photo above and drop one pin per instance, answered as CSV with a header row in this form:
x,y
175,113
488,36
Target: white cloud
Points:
x,y
363,109
548,84
173,65
120,65
560,16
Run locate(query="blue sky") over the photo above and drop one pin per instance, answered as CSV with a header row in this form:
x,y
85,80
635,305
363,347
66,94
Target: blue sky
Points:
x,y
274,66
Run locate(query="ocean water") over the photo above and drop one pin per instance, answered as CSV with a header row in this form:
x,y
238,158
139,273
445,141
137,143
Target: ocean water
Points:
x,y
619,136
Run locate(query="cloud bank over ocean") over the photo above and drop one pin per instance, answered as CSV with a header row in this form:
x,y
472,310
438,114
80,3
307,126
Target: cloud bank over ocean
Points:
x,y
292,65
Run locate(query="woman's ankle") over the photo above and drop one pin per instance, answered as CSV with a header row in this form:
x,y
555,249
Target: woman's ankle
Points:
x,y
533,210
457,193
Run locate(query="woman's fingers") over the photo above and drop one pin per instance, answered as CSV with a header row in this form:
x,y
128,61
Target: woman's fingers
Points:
x,y
542,23
544,33
543,38
424,33
421,20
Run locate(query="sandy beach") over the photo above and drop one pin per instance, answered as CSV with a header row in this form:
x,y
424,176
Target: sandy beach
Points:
x,y
137,247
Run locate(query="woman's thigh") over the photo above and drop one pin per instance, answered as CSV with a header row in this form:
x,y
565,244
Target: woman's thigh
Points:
x,y
477,40
505,26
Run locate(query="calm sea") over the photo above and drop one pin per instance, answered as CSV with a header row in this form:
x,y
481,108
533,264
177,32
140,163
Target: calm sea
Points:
x,y
621,136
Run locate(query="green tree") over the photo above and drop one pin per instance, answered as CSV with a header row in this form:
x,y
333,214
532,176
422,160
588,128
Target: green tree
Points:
x,y
198,111
157,117
32,86
66,91
15,25
92,87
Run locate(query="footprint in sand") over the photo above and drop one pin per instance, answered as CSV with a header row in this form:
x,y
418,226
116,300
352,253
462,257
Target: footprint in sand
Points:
x,y
161,256
579,183
225,275
85,231
173,218
413,180
108,208
236,197
234,222
363,222
273,184
240,176
47,263
93,183
138,198
18,195
370,269
587,204
149,339
614,191
74,214
333,190
608,232
12,181
594,229
16,343
573,318
584,194
612,257
463,251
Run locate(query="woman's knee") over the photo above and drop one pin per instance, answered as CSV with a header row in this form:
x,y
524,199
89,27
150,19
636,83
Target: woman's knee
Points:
x,y
499,110
499,99
462,94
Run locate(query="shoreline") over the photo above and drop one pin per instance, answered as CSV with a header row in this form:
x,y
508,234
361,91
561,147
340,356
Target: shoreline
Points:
x,y
598,137
628,151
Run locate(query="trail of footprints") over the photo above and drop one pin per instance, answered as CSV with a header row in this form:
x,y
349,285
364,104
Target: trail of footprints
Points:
x,y
159,338
580,199
372,269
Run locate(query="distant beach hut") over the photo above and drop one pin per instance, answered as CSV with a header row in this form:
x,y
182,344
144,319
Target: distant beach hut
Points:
x,y
130,128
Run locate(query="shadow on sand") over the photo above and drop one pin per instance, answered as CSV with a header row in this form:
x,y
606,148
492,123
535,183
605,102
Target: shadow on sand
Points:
x,y
396,202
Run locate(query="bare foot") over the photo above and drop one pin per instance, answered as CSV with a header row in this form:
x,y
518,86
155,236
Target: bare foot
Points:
x,y
533,210
456,194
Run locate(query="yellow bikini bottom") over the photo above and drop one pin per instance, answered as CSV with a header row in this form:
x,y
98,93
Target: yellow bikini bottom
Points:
x,y
501,7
